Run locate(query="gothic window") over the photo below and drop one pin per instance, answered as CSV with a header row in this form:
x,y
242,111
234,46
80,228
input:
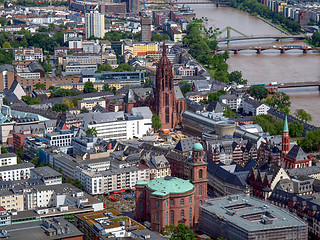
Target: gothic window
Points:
x,y
182,213
180,110
167,115
200,190
200,173
166,99
190,215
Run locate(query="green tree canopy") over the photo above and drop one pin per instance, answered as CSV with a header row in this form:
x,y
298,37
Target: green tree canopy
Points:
x,y
159,37
269,124
229,113
303,115
182,232
185,88
311,142
236,77
30,100
3,150
156,122
104,67
258,92
89,88
40,86
60,107
279,100
20,152
295,129
84,110
92,132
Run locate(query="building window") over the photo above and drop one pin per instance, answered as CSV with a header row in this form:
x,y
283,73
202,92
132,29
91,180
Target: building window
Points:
x,y
141,194
190,199
200,203
166,218
190,215
171,202
157,216
167,115
200,190
141,208
182,202
166,203
182,213
157,204
172,217
200,173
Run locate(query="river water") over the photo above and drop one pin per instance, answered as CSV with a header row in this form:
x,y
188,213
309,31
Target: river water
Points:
x,y
270,66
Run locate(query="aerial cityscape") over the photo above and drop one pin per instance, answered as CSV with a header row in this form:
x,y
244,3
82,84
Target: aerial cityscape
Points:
x,y
159,119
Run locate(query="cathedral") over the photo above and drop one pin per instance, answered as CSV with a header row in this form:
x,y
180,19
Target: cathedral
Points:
x,y
167,102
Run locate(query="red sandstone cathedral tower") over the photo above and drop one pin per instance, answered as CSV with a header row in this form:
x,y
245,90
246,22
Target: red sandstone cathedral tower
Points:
x,y
285,139
164,95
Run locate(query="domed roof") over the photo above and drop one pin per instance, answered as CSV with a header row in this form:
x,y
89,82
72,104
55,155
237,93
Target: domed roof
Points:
x,y
197,146
169,185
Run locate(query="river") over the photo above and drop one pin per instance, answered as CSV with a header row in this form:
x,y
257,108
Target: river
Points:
x,y
270,66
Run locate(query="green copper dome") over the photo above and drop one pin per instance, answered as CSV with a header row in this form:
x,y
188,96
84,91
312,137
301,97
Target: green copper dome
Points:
x,y
169,185
197,146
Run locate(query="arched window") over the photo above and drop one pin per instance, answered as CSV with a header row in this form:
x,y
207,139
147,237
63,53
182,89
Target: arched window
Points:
x,y
190,216
172,217
167,218
200,190
200,203
200,173
182,213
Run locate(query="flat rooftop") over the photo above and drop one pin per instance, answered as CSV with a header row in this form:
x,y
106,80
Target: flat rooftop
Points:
x,y
46,172
36,231
17,166
251,213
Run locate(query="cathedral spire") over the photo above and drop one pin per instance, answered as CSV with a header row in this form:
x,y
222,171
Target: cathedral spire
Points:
x,y
164,48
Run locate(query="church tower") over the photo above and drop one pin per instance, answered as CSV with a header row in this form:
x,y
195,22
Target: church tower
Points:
x,y
285,139
198,177
164,95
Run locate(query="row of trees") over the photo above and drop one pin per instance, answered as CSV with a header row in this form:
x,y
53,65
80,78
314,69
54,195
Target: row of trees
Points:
x,y
256,8
122,67
315,39
274,127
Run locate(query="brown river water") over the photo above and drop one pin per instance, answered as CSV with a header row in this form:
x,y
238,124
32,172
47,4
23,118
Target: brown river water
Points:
x,y
270,66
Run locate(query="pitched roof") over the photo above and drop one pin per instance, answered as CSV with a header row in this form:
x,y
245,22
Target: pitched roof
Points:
x,y
215,106
297,153
185,144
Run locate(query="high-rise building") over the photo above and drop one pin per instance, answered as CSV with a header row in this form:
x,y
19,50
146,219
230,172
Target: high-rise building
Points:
x,y
94,23
146,29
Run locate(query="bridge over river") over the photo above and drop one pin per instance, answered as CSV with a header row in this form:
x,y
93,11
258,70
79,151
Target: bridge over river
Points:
x,y
259,50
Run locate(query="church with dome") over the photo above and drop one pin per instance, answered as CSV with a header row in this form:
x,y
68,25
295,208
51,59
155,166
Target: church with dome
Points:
x,y
171,200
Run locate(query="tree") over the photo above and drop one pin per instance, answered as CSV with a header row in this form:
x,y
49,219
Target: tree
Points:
x,y
6,102
19,160
296,129
185,88
40,86
303,115
104,67
84,110
92,132
236,77
3,150
51,27
258,92
69,180
30,100
123,67
77,184
6,45
60,107
279,100
89,88
311,142
221,76
107,88
68,103
48,164
269,124
159,37
229,113
6,4
182,232
156,122
35,161
75,100
20,152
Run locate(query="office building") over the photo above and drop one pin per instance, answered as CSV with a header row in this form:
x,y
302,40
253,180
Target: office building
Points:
x,y
47,175
7,159
146,29
240,217
94,24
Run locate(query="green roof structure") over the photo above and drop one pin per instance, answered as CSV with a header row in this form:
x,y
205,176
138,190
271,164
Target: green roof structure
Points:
x,y
197,146
285,128
168,185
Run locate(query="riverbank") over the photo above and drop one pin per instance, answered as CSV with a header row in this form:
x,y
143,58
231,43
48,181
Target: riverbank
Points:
x,y
273,25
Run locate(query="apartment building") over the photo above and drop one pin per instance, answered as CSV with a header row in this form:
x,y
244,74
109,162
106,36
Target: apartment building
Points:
x,y
31,54
63,138
10,200
254,108
94,24
140,47
76,68
15,172
7,159
233,101
90,103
